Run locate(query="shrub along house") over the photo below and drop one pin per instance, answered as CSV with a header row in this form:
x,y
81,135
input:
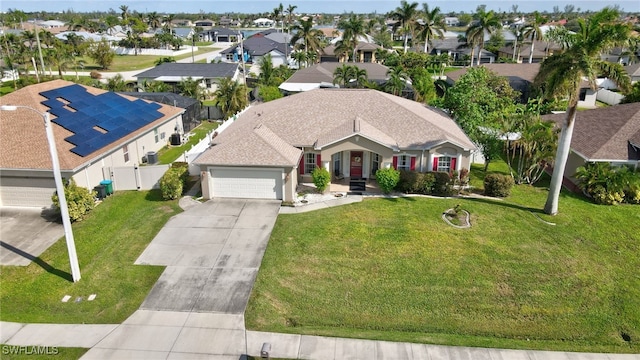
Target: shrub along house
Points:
x,y
95,131
272,147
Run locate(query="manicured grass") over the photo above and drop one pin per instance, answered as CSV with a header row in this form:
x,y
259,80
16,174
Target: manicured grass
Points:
x,y
169,154
392,269
108,242
31,353
135,62
6,89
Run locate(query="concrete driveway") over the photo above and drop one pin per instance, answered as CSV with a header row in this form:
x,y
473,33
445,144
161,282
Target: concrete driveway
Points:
x,y
212,253
25,233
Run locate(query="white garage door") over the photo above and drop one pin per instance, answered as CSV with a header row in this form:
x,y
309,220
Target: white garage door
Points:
x,y
247,183
26,191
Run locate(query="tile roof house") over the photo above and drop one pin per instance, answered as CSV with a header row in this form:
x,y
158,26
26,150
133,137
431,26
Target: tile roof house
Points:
x,y
209,75
521,77
274,146
321,75
610,134
95,130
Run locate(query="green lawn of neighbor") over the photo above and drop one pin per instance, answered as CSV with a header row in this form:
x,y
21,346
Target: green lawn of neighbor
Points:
x,y
392,269
169,154
108,242
135,62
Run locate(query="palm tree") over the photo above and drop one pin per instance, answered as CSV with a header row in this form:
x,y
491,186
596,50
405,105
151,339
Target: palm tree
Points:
x,y
125,13
532,31
352,30
406,13
230,97
277,14
309,36
191,88
343,74
396,82
518,35
168,19
433,27
486,22
300,57
561,75
116,83
153,20
290,10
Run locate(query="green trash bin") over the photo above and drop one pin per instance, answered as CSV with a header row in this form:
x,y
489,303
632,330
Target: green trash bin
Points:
x,y
108,186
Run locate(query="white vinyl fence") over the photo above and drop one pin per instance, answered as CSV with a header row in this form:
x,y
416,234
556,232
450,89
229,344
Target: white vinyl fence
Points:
x,y
136,177
195,151
609,97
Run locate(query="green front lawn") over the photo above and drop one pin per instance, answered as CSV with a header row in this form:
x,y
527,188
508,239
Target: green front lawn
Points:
x,y
134,62
108,242
392,269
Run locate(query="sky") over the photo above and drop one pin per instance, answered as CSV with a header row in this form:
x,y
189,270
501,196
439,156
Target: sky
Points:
x,y
303,6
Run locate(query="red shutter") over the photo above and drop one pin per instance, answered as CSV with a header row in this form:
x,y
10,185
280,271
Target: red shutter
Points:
x,y
453,164
435,164
395,162
413,164
301,166
318,161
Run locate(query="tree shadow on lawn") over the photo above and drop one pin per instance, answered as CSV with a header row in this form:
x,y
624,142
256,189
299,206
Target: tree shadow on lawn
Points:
x,y
38,261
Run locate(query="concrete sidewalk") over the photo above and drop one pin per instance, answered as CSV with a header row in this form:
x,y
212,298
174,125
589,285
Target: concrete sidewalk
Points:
x,y
183,335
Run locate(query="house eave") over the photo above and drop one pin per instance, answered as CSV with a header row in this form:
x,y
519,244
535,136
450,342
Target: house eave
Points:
x,y
392,147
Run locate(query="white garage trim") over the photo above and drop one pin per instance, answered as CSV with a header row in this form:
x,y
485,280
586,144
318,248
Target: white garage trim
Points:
x,y
247,183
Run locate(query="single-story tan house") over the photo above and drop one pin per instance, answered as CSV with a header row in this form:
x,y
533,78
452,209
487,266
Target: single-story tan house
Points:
x,y
610,134
94,129
272,147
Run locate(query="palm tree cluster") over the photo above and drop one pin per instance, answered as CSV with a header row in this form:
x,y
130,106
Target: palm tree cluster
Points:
x,y
350,76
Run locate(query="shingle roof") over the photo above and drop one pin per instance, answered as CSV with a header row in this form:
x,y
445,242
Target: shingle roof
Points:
x,y
526,72
605,133
258,46
23,142
320,117
216,70
323,72
633,70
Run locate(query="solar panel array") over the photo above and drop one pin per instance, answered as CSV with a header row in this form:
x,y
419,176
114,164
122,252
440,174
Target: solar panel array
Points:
x,y
81,112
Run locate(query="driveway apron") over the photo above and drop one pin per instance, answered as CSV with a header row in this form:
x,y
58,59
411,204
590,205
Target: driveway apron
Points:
x,y
212,253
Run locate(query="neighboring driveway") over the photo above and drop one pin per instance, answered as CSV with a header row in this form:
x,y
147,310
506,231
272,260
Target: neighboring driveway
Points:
x,y
25,233
212,252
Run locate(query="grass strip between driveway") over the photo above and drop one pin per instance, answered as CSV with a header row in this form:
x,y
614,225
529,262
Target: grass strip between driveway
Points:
x,y
392,269
108,242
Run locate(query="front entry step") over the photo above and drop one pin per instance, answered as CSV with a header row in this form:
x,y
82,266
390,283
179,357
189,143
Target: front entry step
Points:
x,y
357,185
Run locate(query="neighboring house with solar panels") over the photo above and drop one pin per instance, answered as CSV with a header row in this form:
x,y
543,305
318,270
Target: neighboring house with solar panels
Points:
x,y
209,75
95,131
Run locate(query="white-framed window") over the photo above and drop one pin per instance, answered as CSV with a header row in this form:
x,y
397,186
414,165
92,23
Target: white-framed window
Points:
x,y
156,136
337,164
375,163
444,163
404,162
125,151
309,162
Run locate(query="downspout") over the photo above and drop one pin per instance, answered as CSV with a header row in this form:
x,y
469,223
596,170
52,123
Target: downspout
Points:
x,y
422,160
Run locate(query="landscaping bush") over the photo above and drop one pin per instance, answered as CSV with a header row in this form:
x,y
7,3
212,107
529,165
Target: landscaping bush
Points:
x,y
387,179
321,178
80,200
443,183
498,185
172,183
609,185
413,182
95,74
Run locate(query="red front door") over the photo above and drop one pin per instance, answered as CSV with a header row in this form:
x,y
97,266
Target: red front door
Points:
x,y
356,164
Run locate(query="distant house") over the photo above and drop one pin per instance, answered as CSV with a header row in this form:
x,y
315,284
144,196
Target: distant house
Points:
x,y
633,71
365,52
321,75
521,77
272,147
541,50
262,22
219,35
255,48
95,131
87,36
209,75
610,134
451,21
205,23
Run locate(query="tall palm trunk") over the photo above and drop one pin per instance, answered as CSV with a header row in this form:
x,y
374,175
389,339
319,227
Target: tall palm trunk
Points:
x,y
531,54
515,47
562,154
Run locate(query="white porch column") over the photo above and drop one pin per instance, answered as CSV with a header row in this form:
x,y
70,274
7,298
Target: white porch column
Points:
x,y
458,162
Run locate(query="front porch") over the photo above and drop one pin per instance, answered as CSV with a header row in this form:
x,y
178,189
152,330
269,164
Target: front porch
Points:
x,y
344,185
